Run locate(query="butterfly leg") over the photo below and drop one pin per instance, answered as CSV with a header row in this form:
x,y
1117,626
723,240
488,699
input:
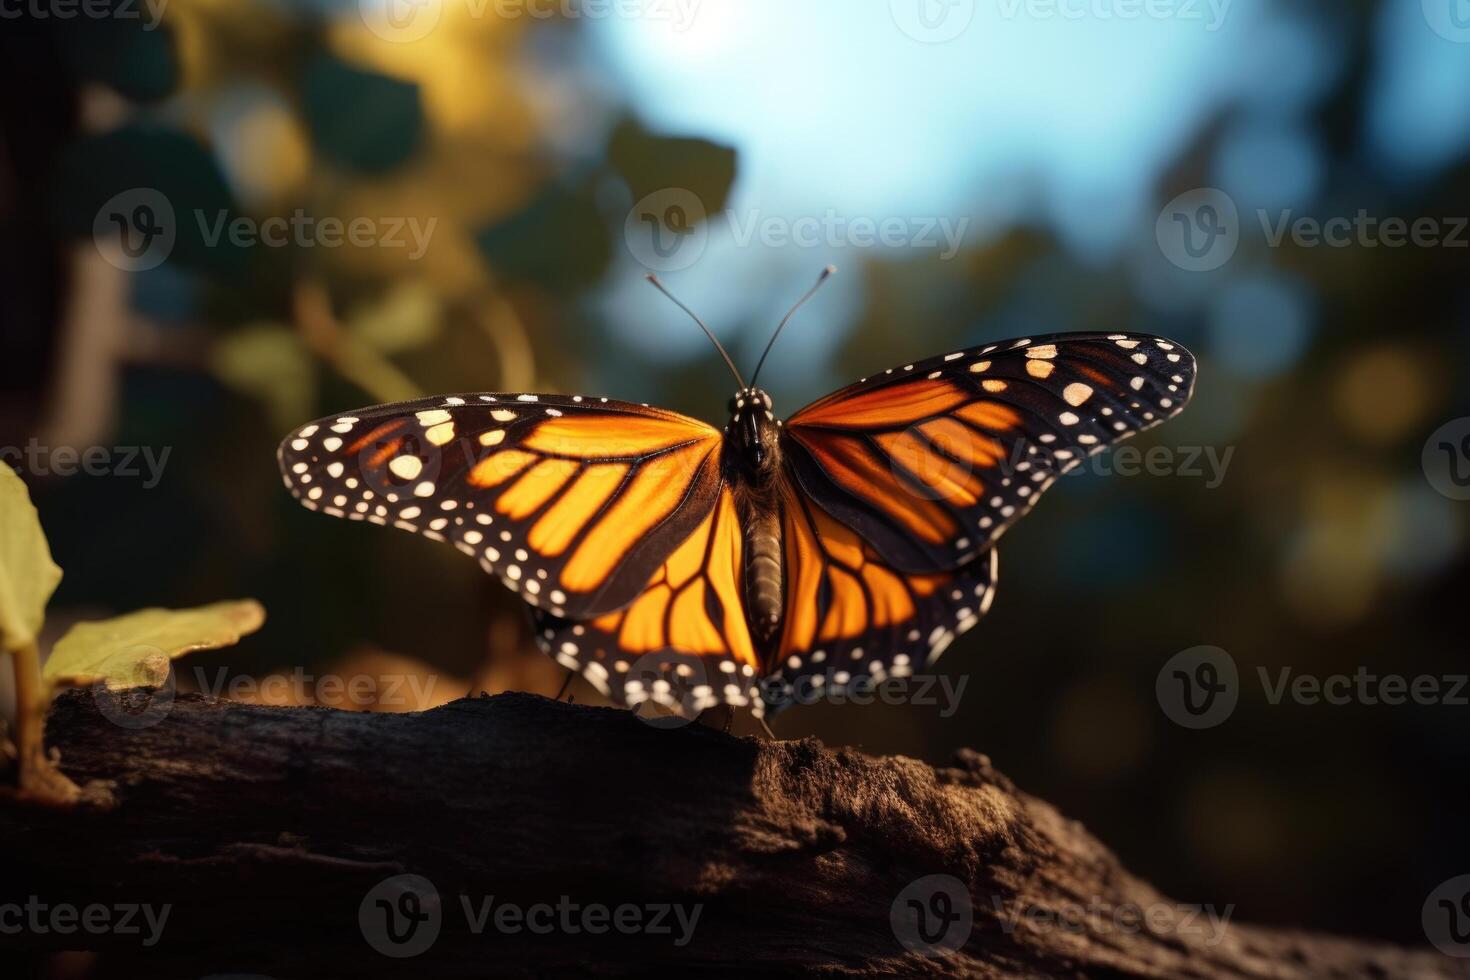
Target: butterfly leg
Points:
x,y
767,729
566,684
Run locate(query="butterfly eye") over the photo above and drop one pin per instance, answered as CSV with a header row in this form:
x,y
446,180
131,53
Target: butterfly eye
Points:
x,y
733,405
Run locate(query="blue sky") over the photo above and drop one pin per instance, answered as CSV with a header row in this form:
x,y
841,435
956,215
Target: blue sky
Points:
x,y
1026,116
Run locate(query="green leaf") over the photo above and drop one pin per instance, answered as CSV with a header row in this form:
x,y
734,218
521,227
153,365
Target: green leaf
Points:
x,y
266,360
649,162
360,119
138,58
150,157
560,240
135,650
28,576
406,318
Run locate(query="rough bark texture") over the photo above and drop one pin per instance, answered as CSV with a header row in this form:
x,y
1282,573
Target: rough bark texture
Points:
x,y
267,827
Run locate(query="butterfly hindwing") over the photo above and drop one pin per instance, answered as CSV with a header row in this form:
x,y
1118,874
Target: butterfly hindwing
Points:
x,y
572,502
933,461
849,614
684,642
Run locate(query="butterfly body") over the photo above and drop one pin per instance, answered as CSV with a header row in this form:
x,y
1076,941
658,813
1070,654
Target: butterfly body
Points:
x,y
754,467
669,561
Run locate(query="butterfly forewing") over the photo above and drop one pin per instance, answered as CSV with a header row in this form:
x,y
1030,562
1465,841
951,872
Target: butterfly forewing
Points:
x,y
573,502
933,461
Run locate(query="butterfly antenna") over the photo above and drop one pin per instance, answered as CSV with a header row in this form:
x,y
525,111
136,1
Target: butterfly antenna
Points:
x,y
815,286
707,332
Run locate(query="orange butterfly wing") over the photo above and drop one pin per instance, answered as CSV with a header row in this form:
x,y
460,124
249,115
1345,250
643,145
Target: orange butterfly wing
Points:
x,y
850,615
684,641
572,502
933,461
900,485
615,522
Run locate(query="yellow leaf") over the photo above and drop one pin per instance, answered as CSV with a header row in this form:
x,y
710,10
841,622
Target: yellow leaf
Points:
x,y
135,650
28,576
268,361
406,318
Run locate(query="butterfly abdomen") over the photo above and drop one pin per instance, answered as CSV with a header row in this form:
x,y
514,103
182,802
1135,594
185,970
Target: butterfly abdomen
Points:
x,y
763,574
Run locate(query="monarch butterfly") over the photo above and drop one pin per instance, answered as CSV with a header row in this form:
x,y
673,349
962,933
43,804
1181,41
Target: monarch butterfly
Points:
x,y
668,561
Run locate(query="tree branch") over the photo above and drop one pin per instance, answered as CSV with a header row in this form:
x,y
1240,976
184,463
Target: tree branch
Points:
x,y
266,828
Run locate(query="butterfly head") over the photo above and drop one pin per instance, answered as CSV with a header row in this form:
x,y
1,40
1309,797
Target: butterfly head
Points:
x,y
753,429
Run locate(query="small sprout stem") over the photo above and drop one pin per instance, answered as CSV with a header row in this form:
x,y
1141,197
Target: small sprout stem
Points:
x,y
39,778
